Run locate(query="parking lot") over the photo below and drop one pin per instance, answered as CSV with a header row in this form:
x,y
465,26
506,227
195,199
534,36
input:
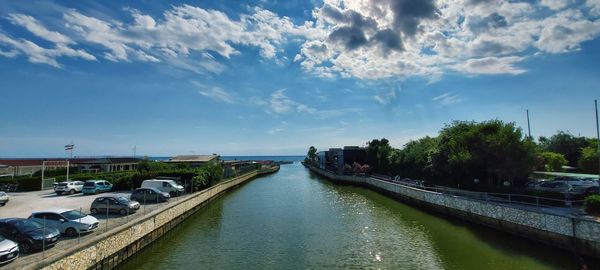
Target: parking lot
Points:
x,y
22,204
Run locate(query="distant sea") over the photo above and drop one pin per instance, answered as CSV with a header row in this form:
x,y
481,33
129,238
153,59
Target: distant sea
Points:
x,y
275,158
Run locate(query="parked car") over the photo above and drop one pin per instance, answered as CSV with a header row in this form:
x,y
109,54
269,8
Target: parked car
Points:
x,y
115,204
164,185
149,195
96,186
30,235
67,221
3,198
577,181
553,186
69,187
9,251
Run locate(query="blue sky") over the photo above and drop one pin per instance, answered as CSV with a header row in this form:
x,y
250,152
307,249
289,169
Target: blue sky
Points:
x,y
274,77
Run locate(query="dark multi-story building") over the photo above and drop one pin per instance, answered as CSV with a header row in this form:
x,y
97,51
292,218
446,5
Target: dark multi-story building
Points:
x,y
335,159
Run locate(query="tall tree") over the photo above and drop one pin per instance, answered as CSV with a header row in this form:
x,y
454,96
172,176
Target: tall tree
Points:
x,y
493,150
566,144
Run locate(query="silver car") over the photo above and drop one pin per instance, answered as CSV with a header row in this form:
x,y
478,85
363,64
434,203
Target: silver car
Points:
x,y
9,250
67,221
3,198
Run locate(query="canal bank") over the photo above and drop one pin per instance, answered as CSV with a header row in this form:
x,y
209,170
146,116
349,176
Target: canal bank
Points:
x,y
574,234
107,250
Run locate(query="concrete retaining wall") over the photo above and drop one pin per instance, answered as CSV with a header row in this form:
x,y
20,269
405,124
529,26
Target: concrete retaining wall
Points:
x,y
106,250
568,232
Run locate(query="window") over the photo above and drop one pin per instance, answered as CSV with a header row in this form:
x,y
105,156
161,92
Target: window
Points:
x,y
165,184
99,199
53,216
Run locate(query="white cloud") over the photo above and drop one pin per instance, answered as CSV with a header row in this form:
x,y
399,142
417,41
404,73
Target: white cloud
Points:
x,y
364,39
447,98
280,103
594,6
215,92
458,35
490,65
39,55
556,4
33,26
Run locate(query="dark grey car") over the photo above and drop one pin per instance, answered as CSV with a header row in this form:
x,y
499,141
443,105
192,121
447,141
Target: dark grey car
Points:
x,y
149,195
114,204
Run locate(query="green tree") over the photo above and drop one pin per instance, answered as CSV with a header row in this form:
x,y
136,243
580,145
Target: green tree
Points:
x,y
588,162
378,155
566,144
312,154
492,150
414,160
553,162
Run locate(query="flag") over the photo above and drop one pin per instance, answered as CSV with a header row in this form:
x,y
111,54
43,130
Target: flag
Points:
x,y
69,147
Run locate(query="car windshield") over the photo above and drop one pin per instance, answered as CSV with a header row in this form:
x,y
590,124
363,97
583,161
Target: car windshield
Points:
x,y
62,184
123,200
2,193
73,214
2,238
28,225
89,184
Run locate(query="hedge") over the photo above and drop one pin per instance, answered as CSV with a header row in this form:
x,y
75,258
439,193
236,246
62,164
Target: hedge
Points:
x,y
201,177
592,204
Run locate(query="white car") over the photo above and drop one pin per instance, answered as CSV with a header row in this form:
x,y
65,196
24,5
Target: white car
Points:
x,y
68,221
168,186
9,251
69,187
3,198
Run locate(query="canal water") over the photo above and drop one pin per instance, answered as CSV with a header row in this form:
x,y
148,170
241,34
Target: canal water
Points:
x,y
294,219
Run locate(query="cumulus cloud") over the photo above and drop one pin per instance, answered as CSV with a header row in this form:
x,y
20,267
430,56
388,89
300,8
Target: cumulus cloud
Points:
x,y
364,39
184,36
374,39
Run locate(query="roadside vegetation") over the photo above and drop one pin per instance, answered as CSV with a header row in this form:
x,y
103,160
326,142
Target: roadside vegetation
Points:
x,y
480,156
201,177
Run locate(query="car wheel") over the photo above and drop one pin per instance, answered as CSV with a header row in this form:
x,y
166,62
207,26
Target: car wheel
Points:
x,y
25,247
123,212
172,193
70,232
72,191
94,211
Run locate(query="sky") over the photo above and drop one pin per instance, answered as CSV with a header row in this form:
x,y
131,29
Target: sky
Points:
x,y
274,77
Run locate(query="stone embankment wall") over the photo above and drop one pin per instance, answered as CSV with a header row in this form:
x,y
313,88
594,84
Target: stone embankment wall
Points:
x,y
573,233
107,250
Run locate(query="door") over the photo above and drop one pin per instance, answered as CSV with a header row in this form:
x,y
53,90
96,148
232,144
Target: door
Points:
x,y
51,220
100,205
114,205
151,195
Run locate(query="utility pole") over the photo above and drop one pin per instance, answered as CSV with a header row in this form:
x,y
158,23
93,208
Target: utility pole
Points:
x,y
597,134
528,126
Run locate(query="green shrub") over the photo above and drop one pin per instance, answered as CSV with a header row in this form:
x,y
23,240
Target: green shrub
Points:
x,y
592,204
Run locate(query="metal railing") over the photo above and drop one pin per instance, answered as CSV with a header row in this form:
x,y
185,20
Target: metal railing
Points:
x,y
512,199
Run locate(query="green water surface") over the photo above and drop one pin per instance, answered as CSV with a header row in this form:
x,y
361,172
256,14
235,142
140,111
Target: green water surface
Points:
x,y
296,220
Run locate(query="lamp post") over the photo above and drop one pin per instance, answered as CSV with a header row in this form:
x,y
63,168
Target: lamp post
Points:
x,y
597,134
528,126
